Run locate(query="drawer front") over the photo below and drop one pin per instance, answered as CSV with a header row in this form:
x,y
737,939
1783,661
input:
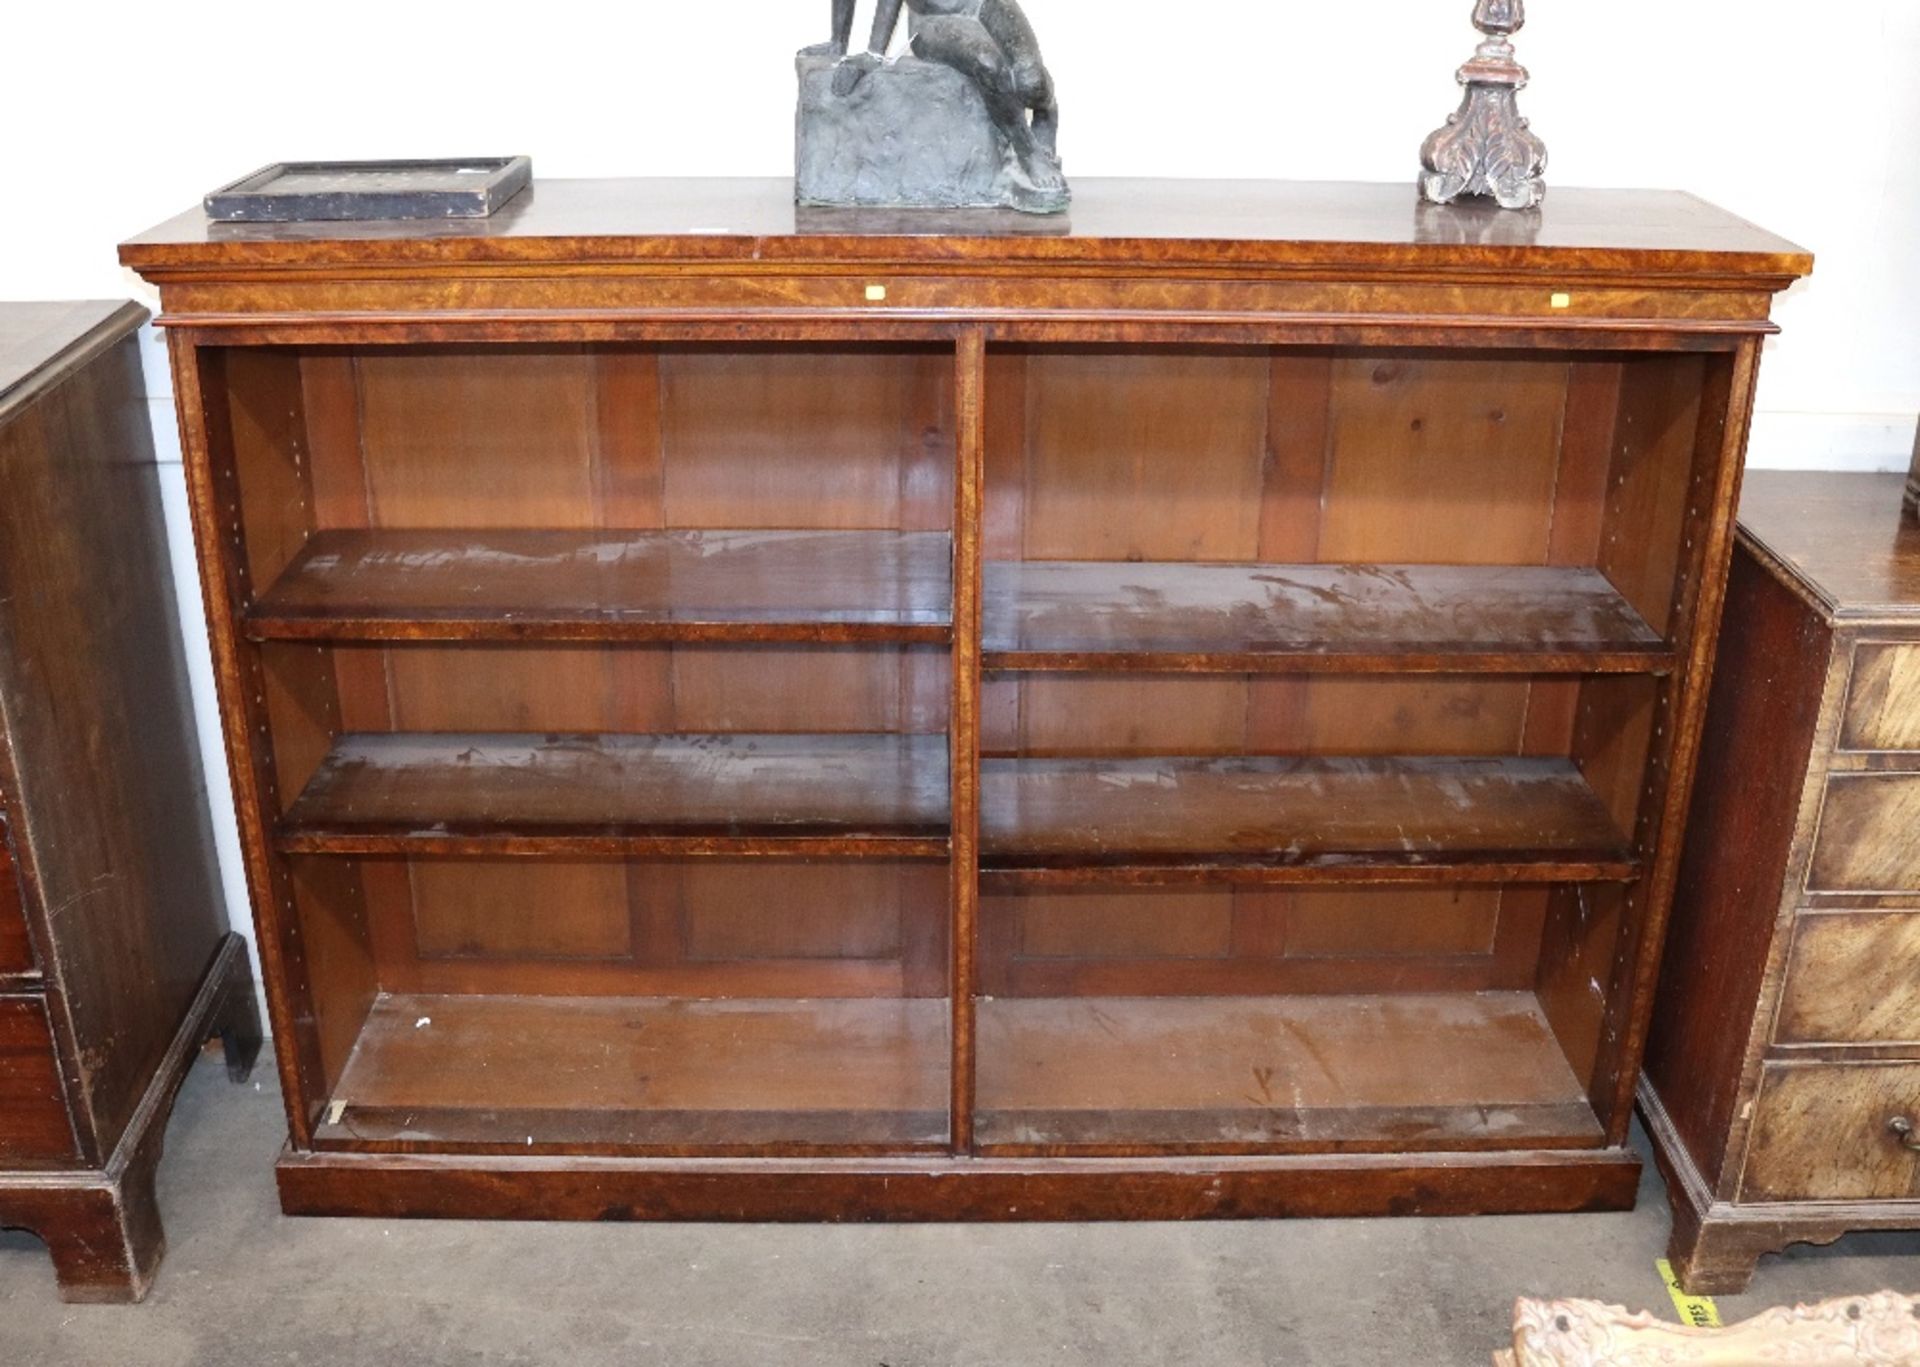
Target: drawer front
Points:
x,y
1883,702
1821,1132
1867,835
1852,978
34,1126
16,955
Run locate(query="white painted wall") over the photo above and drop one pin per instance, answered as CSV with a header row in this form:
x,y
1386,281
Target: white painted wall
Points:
x,y
117,115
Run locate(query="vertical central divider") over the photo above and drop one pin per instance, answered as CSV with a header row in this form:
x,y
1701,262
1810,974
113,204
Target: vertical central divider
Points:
x,y
970,366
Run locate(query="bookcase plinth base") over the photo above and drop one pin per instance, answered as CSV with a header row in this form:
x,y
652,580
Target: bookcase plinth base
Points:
x,y
1317,1186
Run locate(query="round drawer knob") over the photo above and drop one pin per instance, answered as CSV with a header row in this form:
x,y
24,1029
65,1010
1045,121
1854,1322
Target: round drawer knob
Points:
x,y
1904,1128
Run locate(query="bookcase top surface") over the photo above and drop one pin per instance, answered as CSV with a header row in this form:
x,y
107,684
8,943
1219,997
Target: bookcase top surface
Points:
x,y
1278,224
1845,537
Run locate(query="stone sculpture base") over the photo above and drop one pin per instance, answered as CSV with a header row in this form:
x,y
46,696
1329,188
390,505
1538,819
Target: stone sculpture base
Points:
x,y
913,135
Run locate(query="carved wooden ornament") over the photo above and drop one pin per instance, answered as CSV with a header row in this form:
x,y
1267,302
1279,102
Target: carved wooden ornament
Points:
x,y
1882,1329
1486,148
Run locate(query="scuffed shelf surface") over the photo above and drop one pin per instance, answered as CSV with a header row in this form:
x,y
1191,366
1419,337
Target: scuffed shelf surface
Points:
x,y
516,1073
1469,1069
1258,818
423,793
1361,618
613,585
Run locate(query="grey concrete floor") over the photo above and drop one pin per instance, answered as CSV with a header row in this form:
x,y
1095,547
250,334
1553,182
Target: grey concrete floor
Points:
x,y
245,1286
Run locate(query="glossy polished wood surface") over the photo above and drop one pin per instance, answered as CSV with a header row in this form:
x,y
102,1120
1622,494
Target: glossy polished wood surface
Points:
x,y
34,337
1845,538
1116,221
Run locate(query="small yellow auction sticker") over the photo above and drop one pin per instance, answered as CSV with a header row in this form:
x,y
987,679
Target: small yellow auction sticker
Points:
x,y
1698,1311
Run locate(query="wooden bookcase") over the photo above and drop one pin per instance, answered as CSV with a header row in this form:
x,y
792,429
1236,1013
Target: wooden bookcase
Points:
x,y
739,714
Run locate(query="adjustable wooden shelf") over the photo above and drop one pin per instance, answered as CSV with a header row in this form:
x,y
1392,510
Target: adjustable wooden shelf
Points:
x,y
739,714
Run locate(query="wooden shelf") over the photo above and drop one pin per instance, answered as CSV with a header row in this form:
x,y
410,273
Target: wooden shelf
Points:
x,y
1236,1074
515,585
435,793
587,1073
1240,618
1287,819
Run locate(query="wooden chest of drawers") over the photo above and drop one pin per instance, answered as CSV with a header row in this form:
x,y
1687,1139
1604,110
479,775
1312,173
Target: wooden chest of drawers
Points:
x,y
115,961
1913,481
1782,1083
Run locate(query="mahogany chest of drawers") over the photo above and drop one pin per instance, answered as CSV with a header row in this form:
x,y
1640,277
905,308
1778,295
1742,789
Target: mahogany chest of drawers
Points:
x,y
1782,1083
115,961
1913,481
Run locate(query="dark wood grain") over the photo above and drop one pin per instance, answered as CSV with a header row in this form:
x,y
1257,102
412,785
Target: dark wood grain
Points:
x,y
1314,819
1769,683
108,889
1844,539
1782,1042
35,1128
101,1222
16,950
1332,618
1301,1186
40,344
415,793
612,586
96,700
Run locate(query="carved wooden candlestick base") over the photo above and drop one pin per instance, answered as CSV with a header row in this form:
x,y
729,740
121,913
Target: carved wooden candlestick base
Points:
x,y
1486,148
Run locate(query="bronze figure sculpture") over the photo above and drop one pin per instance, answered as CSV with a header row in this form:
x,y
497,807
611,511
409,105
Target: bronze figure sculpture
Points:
x,y
993,47
1486,148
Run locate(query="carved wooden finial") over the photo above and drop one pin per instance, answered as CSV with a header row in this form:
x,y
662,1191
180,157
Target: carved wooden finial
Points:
x,y
1486,148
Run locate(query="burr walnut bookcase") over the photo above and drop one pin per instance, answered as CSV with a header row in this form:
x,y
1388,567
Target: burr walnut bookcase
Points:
x,y
1189,711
